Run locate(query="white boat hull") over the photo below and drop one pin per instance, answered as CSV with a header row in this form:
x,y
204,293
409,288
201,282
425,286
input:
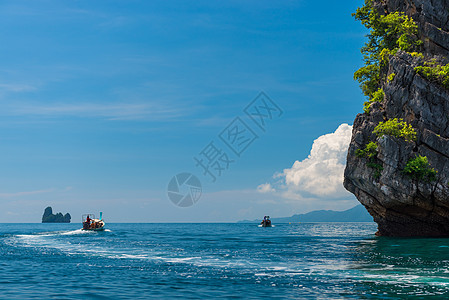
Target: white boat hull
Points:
x,y
94,229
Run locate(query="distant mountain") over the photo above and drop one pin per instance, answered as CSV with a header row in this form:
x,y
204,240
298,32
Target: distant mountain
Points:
x,y
355,214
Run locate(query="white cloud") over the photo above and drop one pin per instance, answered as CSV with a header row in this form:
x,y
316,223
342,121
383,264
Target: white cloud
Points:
x,y
321,173
110,111
13,87
313,183
265,188
26,193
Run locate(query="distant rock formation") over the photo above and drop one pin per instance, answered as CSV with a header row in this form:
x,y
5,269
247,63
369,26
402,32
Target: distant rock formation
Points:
x,y
49,217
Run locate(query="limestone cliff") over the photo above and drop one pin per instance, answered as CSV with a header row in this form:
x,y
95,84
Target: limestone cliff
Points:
x,y
49,217
401,205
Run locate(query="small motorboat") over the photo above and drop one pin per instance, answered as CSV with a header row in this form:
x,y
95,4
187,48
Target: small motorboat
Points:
x,y
266,222
92,223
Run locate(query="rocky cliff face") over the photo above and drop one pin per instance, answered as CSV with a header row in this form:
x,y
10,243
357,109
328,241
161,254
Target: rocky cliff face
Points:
x,y
432,17
399,204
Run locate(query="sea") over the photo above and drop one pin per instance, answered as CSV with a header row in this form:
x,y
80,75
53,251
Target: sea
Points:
x,y
219,261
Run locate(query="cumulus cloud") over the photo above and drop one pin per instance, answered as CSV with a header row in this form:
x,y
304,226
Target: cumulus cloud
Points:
x,y
321,173
265,188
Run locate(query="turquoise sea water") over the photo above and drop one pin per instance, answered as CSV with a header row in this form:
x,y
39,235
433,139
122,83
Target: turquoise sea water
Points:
x,y
196,261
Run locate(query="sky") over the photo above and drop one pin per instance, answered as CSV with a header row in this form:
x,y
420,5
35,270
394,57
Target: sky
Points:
x,y
102,103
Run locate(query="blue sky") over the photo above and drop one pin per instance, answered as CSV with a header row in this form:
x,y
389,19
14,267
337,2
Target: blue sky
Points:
x,y
102,102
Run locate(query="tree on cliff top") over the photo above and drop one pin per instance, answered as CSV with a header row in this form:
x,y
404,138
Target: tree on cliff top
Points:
x,y
388,33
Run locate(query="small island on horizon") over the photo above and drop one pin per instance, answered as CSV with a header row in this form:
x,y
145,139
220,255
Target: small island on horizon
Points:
x,y
49,217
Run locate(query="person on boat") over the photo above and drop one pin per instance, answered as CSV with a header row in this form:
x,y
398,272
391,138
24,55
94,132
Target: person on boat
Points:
x,y
86,224
266,221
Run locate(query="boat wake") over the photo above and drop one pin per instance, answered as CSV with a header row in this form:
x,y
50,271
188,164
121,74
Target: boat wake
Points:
x,y
81,231
74,243
75,232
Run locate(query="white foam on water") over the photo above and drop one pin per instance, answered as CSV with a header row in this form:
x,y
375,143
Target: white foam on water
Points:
x,y
133,256
181,259
74,232
50,240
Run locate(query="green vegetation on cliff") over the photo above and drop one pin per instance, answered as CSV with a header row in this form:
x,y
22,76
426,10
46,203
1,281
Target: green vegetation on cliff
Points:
x,y
370,153
393,127
378,96
391,77
432,71
397,128
388,33
420,169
